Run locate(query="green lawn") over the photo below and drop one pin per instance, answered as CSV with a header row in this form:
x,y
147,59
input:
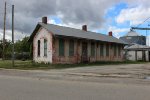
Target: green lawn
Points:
x,y
28,65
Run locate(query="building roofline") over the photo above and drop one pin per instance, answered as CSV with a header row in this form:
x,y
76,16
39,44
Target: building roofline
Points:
x,y
119,41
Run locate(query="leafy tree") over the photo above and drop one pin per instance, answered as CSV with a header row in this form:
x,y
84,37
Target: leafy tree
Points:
x,y
1,48
21,46
7,47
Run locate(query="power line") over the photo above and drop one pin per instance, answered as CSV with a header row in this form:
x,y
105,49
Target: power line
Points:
x,y
143,21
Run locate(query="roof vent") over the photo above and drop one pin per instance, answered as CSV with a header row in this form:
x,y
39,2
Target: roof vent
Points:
x,y
84,27
44,20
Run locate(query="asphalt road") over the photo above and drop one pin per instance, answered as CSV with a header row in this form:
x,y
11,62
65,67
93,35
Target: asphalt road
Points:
x,y
29,88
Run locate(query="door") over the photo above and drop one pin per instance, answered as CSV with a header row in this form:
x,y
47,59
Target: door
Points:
x,y
84,52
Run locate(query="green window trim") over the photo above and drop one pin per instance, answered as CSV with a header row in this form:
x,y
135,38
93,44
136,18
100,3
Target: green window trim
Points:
x,y
38,49
93,49
101,50
115,50
71,48
45,47
119,51
107,50
61,47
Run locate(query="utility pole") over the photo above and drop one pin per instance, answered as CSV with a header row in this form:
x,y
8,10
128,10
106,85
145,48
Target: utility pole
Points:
x,y
13,57
4,32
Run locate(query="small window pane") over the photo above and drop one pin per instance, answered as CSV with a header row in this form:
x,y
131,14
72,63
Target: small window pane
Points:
x,y
92,49
119,51
71,48
45,47
61,47
107,50
115,50
101,50
39,43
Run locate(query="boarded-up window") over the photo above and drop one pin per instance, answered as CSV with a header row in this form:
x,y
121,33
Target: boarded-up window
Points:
x,y
115,50
61,47
119,51
71,48
45,47
101,50
107,50
93,49
38,50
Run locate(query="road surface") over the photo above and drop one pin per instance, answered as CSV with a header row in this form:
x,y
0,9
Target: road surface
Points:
x,y
90,83
17,88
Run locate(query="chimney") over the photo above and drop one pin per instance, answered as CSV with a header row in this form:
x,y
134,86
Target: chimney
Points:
x,y
84,27
110,33
44,20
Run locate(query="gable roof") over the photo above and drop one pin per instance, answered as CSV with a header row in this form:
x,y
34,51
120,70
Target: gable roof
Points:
x,y
77,33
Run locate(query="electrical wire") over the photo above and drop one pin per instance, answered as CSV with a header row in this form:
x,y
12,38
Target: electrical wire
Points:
x,y
143,22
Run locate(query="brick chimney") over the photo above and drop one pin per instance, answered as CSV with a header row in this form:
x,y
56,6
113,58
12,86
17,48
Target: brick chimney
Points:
x,y
44,20
84,27
110,33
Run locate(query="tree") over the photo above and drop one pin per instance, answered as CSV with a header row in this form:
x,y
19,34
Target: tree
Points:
x,y
22,49
22,45
1,48
7,47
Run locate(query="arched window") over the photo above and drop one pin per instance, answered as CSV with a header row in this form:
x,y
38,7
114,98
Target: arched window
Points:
x,y
45,47
38,50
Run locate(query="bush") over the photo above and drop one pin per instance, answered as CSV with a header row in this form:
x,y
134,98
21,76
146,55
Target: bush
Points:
x,y
8,56
22,56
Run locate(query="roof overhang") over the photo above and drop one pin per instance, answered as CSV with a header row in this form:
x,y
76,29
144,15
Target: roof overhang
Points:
x,y
34,33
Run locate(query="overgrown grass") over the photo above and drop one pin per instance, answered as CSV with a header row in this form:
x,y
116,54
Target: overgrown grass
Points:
x,y
29,65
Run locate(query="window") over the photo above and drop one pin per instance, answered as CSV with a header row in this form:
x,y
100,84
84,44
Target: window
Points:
x,y
119,51
71,48
115,50
107,50
61,47
92,49
45,47
39,43
101,50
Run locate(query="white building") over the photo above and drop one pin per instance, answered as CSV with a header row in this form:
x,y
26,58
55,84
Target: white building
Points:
x,y
136,52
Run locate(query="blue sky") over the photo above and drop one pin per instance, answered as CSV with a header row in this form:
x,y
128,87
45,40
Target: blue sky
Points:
x,y
110,16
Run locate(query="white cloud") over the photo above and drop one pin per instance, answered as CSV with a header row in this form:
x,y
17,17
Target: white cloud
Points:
x,y
134,15
8,35
51,21
117,31
77,26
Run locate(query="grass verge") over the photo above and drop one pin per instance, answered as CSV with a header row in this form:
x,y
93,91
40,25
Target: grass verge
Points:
x,y
29,65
